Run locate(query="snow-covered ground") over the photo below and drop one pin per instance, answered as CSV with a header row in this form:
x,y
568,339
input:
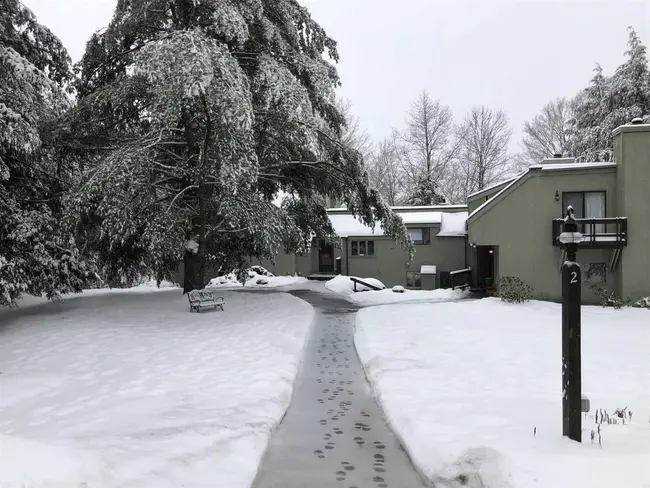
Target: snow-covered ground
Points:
x,y
130,389
465,384
343,286
230,281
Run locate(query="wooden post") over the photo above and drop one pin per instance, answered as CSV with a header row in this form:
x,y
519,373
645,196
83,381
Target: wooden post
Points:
x,y
571,360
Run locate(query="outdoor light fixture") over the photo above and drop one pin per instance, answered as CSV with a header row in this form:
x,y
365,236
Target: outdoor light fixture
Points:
x,y
557,196
491,251
570,234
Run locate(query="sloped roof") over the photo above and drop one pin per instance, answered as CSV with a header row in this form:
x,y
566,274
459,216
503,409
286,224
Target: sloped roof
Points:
x,y
347,225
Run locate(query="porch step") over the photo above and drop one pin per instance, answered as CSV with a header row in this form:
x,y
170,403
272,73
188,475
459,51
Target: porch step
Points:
x,y
321,277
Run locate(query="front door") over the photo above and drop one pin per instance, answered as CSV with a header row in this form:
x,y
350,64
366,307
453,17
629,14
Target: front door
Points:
x,y
325,257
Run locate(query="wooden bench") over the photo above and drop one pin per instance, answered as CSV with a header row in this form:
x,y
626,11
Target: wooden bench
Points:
x,y
204,298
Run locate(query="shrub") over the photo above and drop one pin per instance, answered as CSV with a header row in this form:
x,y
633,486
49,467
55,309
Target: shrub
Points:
x,y
514,290
609,299
643,303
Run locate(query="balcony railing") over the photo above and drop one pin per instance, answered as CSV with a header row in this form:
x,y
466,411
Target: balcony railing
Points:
x,y
598,233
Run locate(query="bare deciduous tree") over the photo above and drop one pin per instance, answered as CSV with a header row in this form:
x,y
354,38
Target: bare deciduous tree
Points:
x,y
354,135
547,133
425,150
385,171
483,153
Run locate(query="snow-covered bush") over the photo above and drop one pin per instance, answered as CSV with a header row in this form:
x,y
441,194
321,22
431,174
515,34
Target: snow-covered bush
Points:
x,y
610,299
514,290
398,289
643,303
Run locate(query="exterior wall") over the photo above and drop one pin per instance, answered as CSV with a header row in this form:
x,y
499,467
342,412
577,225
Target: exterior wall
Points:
x,y
390,263
307,263
479,198
632,154
519,223
285,264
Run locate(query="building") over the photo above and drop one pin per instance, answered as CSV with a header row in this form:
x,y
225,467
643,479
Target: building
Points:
x,y
513,227
438,233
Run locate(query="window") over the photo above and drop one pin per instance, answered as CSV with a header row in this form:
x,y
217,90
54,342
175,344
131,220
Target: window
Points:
x,y
362,248
413,280
420,236
587,205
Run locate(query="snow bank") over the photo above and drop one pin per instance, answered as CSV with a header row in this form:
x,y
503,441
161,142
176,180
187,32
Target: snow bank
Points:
x,y
149,286
230,281
465,384
133,390
345,287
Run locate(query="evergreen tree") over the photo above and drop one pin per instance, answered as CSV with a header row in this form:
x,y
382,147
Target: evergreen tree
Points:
x,y
609,102
195,116
36,254
425,193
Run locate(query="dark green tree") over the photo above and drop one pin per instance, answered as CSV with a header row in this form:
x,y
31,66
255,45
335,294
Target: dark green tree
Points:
x,y
609,102
194,116
37,255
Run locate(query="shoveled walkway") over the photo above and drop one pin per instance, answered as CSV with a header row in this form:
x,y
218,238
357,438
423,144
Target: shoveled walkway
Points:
x,y
333,434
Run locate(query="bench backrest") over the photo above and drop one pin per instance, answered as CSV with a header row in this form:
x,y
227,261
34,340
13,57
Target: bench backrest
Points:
x,y
201,296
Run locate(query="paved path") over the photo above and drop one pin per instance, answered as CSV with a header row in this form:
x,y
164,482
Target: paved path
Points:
x,y
333,434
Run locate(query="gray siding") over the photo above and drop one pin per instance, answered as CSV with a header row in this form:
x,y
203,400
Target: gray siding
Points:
x,y
519,225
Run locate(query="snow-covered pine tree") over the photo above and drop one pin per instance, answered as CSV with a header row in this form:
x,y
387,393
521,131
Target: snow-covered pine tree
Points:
x,y
425,193
609,102
36,254
197,114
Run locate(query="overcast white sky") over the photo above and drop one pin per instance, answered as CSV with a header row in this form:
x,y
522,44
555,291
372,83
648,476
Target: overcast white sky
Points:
x,y
509,54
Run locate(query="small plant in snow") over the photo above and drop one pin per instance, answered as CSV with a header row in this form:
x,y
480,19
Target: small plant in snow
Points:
x,y
514,290
609,299
643,303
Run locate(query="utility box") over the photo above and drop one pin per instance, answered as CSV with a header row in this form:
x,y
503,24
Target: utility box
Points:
x,y
584,403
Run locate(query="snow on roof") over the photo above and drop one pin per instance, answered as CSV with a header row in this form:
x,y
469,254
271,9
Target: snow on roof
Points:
x,y
421,217
428,269
491,187
346,225
569,166
453,224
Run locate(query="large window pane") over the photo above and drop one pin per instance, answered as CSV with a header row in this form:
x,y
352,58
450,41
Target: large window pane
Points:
x,y
426,235
371,248
355,248
362,248
416,235
576,200
595,209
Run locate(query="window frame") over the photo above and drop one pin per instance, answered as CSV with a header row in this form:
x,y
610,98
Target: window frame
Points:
x,y
415,280
368,246
426,235
583,193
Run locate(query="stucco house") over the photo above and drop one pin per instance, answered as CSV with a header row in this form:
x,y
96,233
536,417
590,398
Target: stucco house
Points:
x,y
439,234
513,227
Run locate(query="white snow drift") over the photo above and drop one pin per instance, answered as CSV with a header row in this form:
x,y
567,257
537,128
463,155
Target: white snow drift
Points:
x,y
131,390
343,286
466,384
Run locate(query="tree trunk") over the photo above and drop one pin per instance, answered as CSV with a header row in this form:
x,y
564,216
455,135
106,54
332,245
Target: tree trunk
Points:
x,y
194,270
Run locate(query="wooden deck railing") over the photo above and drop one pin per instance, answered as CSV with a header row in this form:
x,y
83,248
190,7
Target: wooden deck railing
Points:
x,y
598,233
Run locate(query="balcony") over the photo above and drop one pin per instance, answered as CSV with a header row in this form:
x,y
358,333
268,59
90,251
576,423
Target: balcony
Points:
x,y
598,233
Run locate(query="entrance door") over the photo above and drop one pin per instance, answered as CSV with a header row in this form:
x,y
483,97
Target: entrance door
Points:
x,y
486,269
325,257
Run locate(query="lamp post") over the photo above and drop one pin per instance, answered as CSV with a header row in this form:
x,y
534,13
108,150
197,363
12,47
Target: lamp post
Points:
x,y
571,298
